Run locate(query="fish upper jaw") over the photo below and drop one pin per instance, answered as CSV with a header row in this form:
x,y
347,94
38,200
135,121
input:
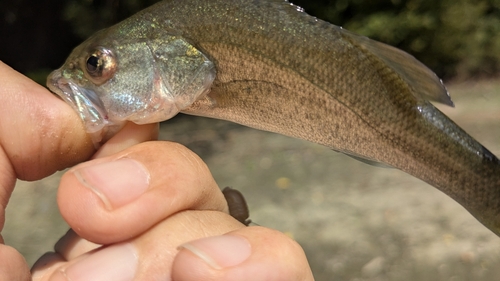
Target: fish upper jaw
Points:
x,y
85,102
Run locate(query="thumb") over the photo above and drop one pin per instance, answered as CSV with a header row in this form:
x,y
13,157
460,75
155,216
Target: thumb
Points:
x,y
250,253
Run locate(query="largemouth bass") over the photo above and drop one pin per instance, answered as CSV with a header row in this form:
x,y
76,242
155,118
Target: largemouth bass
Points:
x,y
268,65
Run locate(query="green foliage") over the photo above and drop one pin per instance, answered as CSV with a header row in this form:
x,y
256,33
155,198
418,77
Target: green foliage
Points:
x,y
453,37
88,16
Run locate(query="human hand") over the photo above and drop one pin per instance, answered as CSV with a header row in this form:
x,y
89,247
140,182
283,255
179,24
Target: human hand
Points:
x,y
181,203
143,222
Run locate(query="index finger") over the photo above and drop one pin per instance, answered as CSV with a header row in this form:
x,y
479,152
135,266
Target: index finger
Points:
x,y
39,133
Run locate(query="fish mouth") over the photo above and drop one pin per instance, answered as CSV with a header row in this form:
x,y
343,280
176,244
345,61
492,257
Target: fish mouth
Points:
x,y
84,101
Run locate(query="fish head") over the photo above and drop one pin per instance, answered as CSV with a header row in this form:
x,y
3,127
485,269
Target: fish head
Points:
x,y
144,77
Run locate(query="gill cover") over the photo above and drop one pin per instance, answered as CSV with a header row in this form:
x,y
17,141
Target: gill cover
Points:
x,y
155,79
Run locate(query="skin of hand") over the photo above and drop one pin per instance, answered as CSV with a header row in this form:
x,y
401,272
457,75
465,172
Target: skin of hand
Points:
x,y
154,205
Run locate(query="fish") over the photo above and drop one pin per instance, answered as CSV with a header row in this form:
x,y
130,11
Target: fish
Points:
x,y
269,65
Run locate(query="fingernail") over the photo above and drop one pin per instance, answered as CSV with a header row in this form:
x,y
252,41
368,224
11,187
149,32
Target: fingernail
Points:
x,y
117,183
220,251
117,262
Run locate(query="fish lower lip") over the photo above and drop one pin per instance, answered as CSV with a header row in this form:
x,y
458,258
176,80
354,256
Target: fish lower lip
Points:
x,y
85,101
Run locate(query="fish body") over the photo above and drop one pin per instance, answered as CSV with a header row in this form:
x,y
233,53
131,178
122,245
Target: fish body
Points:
x,y
268,65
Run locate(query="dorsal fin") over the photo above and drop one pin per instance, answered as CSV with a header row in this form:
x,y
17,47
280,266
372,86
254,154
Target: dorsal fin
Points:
x,y
415,73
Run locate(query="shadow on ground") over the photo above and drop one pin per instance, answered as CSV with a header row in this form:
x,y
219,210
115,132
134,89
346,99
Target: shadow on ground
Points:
x,y
355,222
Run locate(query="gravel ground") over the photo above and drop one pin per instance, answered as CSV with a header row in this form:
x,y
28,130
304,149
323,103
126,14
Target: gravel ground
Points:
x,y
355,221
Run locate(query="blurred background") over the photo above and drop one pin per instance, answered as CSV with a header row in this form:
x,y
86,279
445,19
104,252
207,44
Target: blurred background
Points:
x,y
355,222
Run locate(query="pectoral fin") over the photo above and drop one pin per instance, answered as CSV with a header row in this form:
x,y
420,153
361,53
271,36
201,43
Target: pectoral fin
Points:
x,y
369,161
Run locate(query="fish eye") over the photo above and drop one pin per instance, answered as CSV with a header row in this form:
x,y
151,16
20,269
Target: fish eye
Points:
x,y
93,64
100,65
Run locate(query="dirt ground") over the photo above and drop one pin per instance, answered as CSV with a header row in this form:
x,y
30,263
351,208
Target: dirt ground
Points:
x,y
356,222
